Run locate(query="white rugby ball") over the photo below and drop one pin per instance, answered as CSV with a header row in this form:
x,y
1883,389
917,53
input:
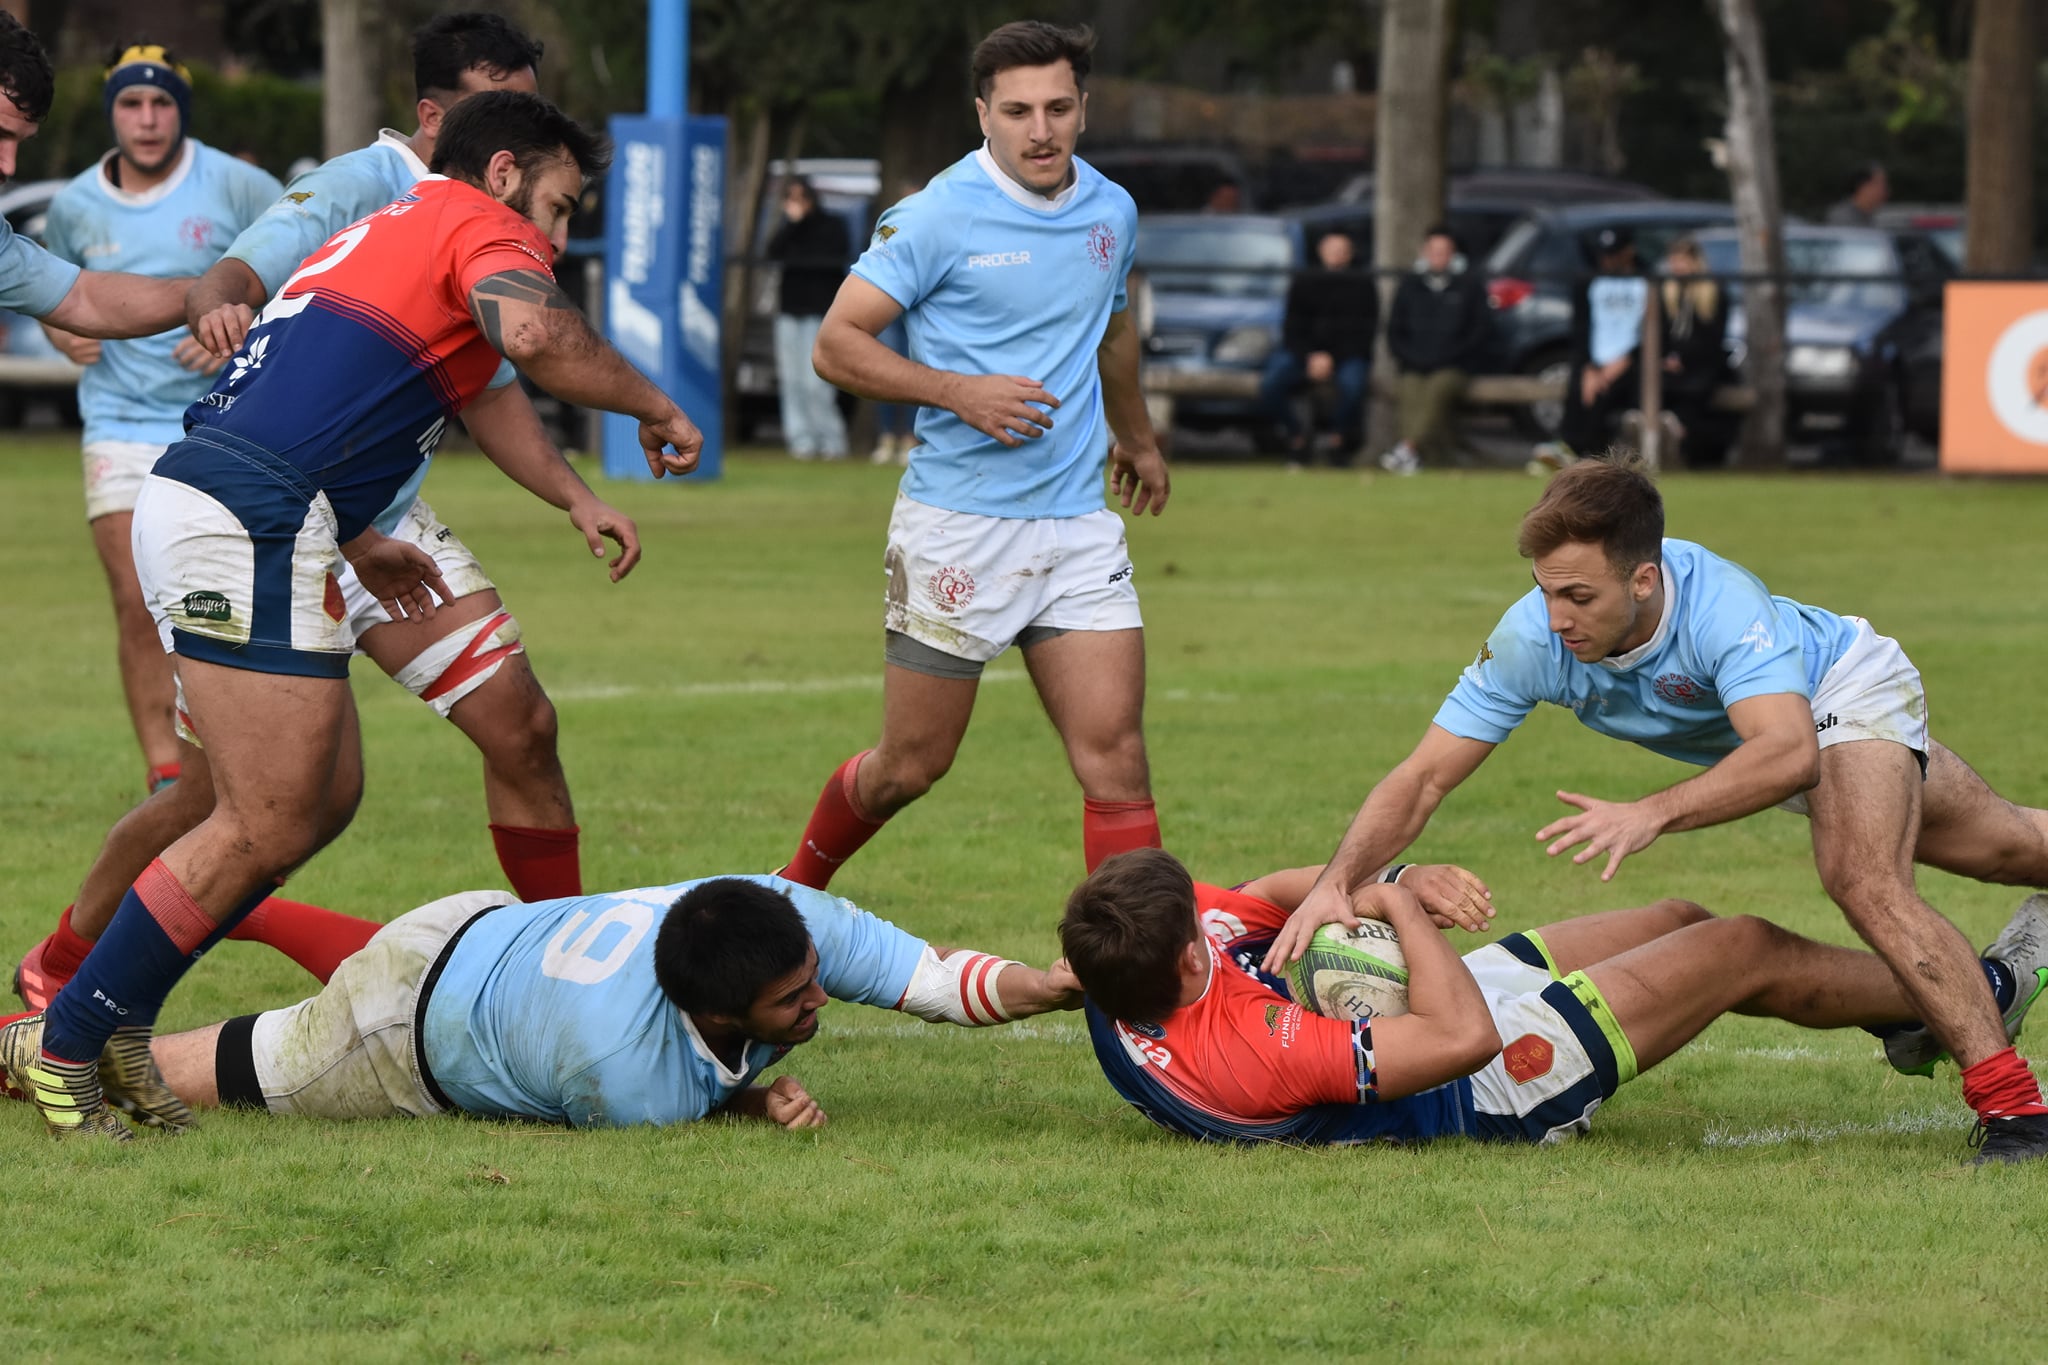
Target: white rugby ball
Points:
x,y
1352,973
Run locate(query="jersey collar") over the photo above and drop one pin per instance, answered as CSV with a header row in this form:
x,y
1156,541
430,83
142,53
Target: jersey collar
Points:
x,y
727,1077
156,193
1036,202
398,142
1622,662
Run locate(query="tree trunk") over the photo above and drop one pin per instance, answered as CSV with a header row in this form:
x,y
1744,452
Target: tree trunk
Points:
x,y
927,127
348,79
1408,159
742,246
1753,176
1999,181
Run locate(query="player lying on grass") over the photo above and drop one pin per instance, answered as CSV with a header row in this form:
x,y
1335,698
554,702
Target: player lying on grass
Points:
x,y
659,1005
1519,1041
1664,644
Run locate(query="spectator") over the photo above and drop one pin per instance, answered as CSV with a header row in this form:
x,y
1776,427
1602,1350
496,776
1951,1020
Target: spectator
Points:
x,y
1607,331
1438,330
1869,188
1695,332
1333,314
1226,197
812,248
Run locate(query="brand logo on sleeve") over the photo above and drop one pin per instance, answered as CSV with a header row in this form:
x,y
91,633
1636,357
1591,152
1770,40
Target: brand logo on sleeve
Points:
x,y
1757,637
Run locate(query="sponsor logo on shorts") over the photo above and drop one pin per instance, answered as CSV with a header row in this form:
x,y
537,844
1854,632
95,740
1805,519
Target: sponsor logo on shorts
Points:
x,y
206,606
223,401
951,588
1677,688
1825,723
335,605
250,359
1102,246
1528,1058
990,260
1121,574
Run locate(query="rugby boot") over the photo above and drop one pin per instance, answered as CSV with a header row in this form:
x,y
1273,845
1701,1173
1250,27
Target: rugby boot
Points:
x,y
2023,946
68,1097
35,986
134,1086
2006,1141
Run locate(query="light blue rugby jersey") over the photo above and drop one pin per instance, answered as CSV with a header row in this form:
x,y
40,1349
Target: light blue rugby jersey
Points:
x,y
137,392
319,204
1724,638
32,281
996,280
551,1011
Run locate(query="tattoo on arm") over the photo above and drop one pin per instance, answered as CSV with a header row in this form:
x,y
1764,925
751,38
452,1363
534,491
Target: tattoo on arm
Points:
x,y
530,288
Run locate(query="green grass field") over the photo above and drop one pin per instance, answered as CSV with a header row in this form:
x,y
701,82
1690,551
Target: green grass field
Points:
x,y
1767,1195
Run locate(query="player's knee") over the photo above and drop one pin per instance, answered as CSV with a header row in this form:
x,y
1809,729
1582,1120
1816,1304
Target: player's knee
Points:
x,y
902,775
1750,936
1114,767
460,665
1683,912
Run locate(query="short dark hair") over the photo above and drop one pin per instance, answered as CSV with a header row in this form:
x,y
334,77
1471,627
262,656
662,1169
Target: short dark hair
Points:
x,y
449,44
523,124
1125,929
1608,502
1864,174
25,75
725,941
1440,230
801,182
1031,42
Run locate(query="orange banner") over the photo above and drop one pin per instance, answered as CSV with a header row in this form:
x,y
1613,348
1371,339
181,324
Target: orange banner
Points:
x,y
1994,379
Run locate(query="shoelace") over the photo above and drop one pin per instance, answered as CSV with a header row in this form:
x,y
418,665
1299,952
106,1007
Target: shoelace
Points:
x,y
1978,1132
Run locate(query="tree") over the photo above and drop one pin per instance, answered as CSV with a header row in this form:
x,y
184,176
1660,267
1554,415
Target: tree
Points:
x,y
1999,182
1753,176
348,76
1408,188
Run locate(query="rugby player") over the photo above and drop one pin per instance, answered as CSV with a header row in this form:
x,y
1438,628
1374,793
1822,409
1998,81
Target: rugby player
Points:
x,y
1665,644
582,1011
467,661
160,203
240,526
1519,1041
1008,271
107,304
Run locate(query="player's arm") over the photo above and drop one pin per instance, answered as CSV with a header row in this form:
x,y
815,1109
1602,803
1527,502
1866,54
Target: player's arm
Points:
x,y
105,303
850,355
961,986
1391,819
1445,889
1779,756
1448,1032
783,1101
529,320
74,348
506,427
1137,469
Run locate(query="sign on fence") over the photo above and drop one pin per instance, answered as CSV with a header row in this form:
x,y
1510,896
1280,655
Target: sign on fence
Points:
x,y
1994,380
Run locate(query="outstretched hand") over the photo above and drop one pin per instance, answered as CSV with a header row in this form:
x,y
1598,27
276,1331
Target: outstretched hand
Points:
x,y
1616,828
1451,896
599,521
1324,904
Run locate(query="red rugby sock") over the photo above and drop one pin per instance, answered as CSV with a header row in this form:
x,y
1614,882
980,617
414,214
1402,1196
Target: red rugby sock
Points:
x,y
1111,827
543,864
316,939
2002,1086
64,950
836,831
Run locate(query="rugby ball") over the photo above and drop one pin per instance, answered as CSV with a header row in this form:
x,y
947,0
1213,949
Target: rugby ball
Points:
x,y
1352,973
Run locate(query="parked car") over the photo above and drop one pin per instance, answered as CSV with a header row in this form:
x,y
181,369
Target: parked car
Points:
x,y
1218,284
847,186
1175,177
31,369
1529,186
1863,343
1534,271
1941,224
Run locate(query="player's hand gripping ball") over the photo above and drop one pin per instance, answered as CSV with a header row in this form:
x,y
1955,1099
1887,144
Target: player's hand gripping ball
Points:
x,y
1352,973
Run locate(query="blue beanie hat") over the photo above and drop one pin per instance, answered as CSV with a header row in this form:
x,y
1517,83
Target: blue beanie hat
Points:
x,y
151,64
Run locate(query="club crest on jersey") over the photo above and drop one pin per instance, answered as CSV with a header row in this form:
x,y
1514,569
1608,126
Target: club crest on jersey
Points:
x,y
1102,246
951,588
196,233
1678,689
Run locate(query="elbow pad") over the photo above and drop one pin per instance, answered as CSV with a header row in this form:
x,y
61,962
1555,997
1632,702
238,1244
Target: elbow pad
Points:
x,y
960,989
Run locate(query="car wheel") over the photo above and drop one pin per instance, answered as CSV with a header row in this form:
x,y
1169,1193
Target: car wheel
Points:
x,y
1881,434
1540,421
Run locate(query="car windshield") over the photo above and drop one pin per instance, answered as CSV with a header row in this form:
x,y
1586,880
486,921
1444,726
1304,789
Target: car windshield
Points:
x,y
1237,260
1825,256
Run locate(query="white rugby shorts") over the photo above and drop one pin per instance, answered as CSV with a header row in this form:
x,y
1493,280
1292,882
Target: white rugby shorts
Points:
x,y
419,526
1562,1052
114,471
349,1052
1872,692
969,585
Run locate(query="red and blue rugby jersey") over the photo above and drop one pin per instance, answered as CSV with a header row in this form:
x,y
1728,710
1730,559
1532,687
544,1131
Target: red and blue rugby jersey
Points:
x,y
355,366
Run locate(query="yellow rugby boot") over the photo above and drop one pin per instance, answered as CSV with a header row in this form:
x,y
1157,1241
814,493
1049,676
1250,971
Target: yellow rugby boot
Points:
x,y
68,1096
134,1086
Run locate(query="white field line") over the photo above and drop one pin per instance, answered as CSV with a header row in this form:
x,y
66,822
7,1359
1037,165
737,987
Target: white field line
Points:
x,y
1948,1120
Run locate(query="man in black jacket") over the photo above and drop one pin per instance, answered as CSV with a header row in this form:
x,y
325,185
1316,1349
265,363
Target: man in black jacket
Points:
x,y
812,248
1438,330
1333,315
